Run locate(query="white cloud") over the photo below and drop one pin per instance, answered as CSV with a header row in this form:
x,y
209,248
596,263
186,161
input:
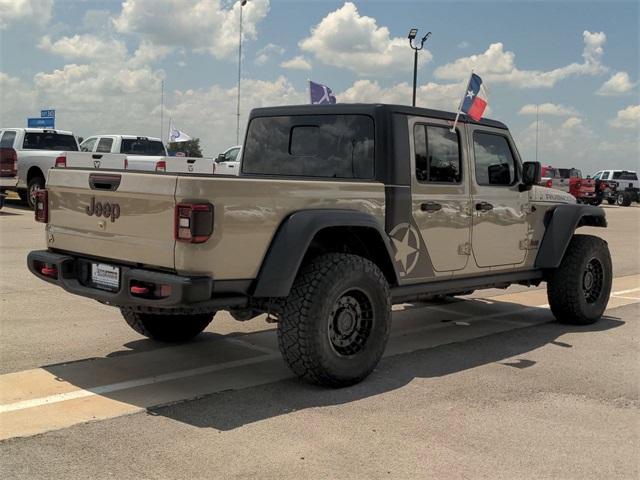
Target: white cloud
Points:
x,y
464,44
496,65
37,12
18,101
346,39
547,109
200,25
429,95
572,122
627,118
296,63
147,53
84,47
266,53
618,84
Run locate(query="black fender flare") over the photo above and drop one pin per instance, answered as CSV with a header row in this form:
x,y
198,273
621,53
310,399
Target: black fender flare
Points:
x,y
561,223
291,242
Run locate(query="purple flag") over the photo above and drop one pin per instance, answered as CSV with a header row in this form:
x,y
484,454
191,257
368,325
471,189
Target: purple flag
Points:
x,y
320,93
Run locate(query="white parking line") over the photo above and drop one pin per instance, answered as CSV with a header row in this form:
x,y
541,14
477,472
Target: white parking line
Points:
x,y
622,292
140,382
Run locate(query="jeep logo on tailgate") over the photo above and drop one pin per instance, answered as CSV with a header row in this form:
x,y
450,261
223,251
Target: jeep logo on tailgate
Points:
x,y
106,210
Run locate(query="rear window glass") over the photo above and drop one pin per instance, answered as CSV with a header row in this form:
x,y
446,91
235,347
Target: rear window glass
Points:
x,y
49,141
141,146
625,176
332,146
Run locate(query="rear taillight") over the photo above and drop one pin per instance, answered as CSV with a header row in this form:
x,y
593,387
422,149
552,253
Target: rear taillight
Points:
x,y
549,183
42,206
8,162
161,166
61,161
193,222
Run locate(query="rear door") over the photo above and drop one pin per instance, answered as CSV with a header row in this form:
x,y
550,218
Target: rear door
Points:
x,y
440,192
499,220
113,215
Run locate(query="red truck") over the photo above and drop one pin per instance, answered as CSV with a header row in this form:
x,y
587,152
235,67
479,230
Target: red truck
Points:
x,y
570,180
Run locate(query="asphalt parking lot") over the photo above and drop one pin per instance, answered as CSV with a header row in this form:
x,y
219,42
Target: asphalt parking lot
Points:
x,y
486,386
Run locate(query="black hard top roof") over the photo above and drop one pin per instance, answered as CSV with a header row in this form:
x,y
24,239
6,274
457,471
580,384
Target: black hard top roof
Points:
x,y
368,109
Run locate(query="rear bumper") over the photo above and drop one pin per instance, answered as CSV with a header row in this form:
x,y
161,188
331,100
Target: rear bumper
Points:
x,y
74,275
8,183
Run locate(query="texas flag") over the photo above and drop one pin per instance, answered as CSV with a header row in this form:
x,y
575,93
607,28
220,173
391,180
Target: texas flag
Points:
x,y
474,102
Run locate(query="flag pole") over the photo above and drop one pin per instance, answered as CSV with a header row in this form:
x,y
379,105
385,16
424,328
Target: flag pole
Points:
x,y
453,128
162,110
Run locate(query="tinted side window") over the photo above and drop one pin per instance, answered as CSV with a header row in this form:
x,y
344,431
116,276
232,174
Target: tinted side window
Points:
x,y
494,161
333,146
87,145
232,155
7,139
605,176
104,145
440,162
625,176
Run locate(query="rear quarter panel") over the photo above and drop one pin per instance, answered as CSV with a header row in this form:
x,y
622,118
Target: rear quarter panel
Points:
x,y
248,211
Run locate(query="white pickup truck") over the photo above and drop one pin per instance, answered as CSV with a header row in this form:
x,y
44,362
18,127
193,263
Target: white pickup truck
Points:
x,y
35,151
228,163
147,154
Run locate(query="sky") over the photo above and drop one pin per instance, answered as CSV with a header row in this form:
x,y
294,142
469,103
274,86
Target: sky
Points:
x,y
101,65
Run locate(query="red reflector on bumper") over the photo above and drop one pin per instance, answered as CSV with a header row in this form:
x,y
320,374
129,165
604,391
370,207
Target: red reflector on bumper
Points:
x,y
138,290
49,271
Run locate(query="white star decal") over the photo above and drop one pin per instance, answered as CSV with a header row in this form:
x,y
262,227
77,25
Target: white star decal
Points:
x,y
470,94
403,249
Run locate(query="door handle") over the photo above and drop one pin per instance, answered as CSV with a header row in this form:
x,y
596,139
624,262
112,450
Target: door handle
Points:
x,y
484,207
430,207
97,157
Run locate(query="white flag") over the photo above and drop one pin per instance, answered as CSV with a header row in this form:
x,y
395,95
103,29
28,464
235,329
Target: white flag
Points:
x,y
176,135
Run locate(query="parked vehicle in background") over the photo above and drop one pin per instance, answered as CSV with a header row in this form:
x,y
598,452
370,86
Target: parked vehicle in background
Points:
x,y
570,180
8,171
142,152
330,223
618,186
146,154
36,151
228,163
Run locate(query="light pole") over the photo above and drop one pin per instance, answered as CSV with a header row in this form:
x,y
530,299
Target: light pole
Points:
x,y
412,35
242,4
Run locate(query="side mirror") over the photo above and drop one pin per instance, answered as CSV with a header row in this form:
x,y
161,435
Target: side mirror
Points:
x,y
531,175
221,158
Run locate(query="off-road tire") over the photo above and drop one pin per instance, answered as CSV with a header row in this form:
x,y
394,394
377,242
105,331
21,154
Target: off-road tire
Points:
x,y
36,183
167,328
322,296
586,263
623,199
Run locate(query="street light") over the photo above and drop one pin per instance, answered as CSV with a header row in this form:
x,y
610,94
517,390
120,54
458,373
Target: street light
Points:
x,y
412,36
242,4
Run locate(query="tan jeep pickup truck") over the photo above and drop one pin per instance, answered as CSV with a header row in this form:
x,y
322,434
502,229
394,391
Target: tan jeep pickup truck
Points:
x,y
339,212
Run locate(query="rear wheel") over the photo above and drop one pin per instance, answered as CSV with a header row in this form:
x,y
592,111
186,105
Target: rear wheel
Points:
x,y
623,200
35,184
578,290
167,328
335,323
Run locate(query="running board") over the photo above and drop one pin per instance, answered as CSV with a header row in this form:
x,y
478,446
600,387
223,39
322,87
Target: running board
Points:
x,y
455,285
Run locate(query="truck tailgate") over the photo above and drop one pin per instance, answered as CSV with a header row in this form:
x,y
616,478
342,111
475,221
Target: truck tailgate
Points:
x,y
95,160
106,214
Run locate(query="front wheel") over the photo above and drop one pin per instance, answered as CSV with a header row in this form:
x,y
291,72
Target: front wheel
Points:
x,y
167,328
335,322
578,290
